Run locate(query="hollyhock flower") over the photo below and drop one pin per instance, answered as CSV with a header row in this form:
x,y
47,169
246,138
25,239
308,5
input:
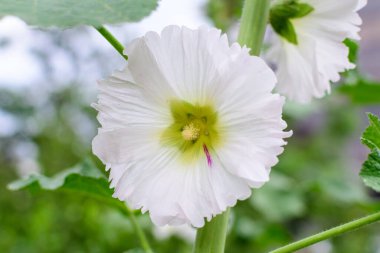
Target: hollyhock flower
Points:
x,y
189,126
308,46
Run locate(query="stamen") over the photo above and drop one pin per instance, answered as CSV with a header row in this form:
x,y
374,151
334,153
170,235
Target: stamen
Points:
x,y
190,132
208,156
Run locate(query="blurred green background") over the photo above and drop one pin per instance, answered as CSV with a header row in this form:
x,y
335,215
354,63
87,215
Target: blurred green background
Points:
x,y
47,127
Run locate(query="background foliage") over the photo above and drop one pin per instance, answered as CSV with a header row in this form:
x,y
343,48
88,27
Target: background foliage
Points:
x,y
316,184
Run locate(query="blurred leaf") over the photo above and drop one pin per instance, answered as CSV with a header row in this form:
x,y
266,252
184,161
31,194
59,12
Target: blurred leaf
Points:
x,y
357,88
370,172
135,251
68,13
84,178
342,191
224,12
362,92
279,200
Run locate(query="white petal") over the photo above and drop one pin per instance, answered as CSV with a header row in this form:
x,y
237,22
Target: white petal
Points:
x,y
175,193
242,78
297,70
254,139
122,103
125,144
147,71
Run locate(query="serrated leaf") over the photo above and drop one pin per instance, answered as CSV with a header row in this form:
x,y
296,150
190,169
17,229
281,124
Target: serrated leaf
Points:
x,y
371,136
69,13
83,178
362,92
370,172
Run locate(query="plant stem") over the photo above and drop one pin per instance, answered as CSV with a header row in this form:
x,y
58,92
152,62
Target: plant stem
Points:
x,y
140,233
253,24
112,40
212,237
329,233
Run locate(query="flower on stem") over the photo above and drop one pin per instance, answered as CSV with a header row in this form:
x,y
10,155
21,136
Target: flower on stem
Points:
x,y
189,126
308,46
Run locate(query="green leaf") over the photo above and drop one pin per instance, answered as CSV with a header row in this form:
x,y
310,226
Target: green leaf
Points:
x,y
303,10
362,92
353,50
370,172
280,200
83,178
281,15
371,136
287,9
286,30
68,13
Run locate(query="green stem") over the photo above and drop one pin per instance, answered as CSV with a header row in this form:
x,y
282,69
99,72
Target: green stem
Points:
x,y
253,24
112,40
329,233
212,237
140,233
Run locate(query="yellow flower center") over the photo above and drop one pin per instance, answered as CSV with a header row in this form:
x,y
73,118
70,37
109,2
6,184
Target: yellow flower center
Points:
x,y
195,130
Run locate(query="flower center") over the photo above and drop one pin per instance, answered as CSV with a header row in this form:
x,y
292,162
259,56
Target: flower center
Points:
x,y
194,130
191,132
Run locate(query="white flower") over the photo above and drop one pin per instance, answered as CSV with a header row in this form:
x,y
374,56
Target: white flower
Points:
x,y
305,69
189,126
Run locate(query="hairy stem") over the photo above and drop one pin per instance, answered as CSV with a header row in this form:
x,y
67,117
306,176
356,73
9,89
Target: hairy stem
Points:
x,y
253,24
212,237
350,226
112,40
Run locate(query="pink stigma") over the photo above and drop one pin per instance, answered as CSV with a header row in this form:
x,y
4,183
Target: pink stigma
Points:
x,y
208,156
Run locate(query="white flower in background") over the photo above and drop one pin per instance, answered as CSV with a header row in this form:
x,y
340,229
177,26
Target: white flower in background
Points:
x,y
308,47
189,126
